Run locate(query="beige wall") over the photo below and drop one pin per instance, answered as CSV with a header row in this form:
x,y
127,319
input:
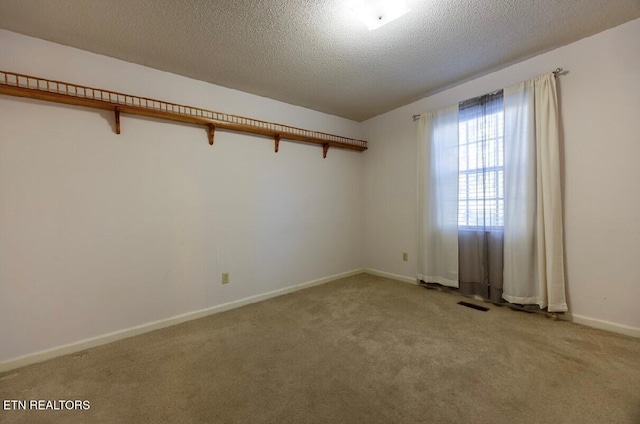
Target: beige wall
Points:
x,y
102,232
600,111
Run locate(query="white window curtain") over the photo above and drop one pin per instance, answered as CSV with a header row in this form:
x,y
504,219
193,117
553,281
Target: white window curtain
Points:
x,y
438,197
533,268
533,233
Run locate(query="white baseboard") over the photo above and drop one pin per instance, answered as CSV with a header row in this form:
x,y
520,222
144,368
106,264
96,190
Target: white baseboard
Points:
x,y
44,355
391,276
605,325
578,319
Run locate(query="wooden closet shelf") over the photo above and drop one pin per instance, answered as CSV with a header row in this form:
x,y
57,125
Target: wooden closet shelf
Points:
x,y
20,85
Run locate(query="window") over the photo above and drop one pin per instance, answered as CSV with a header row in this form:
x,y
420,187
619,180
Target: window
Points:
x,y
481,163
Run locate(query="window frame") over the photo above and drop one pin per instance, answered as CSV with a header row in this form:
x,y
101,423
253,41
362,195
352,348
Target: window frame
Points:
x,y
468,114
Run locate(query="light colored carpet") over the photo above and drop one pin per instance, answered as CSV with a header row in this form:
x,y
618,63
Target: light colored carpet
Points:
x,y
358,350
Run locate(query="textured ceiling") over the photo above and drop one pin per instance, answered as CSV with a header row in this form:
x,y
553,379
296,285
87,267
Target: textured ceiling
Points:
x,y
313,53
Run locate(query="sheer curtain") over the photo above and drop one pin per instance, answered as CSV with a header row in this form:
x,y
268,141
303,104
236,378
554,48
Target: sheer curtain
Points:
x,y
533,234
481,196
438,197
489,199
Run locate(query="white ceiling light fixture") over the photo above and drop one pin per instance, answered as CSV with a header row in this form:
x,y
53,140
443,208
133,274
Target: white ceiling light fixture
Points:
x,y
376,13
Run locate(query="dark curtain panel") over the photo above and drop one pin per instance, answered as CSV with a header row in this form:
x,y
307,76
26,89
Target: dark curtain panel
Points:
x,y
481,197
480,264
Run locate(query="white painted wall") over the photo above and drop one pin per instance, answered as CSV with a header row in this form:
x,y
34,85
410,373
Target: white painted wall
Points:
x,y
102,232
600,111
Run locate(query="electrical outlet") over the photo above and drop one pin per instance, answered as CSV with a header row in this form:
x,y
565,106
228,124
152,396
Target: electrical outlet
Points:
x,y
225,278
405,256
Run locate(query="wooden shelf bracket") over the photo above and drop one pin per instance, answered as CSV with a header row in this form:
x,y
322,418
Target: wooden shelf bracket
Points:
x,y
19,85
117,113
212,132
276,139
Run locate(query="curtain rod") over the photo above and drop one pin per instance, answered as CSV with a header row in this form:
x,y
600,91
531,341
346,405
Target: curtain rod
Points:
x,y
558,71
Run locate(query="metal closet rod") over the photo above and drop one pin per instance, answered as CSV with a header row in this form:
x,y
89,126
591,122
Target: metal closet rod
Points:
x,y
558,71
20,85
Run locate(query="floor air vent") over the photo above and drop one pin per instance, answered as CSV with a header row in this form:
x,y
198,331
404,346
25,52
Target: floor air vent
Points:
x,y
472,306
